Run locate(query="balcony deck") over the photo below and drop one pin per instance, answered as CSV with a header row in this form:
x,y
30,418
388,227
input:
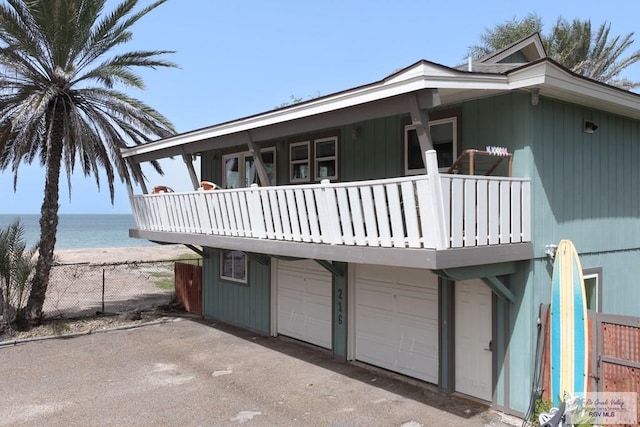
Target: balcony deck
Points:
x,y
429,221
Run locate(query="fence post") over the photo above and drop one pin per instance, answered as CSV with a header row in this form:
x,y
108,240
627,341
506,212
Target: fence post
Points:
x,y
103,291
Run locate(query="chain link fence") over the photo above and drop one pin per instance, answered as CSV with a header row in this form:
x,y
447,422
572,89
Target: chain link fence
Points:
x,y
85,289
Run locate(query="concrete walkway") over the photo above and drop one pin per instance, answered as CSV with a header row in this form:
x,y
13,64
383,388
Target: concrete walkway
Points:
x,y
186,373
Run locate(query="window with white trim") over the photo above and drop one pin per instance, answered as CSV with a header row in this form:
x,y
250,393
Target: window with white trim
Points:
x,y
299,162
444,137
593,288
240,170
233,266
317,158
326,158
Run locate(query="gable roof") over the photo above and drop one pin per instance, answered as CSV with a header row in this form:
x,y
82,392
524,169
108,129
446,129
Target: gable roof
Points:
x,y
531,47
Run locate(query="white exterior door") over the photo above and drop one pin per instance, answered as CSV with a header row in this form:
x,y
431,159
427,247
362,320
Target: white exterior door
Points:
x,y
396,320
473,339
304,302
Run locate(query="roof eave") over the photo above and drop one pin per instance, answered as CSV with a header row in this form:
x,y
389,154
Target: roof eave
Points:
x,y
387,88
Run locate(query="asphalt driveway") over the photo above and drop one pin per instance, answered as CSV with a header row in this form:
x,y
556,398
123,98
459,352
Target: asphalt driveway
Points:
x,y
188,373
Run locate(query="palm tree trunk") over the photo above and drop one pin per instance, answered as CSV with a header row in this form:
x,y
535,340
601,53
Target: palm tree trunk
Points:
x,y
48,227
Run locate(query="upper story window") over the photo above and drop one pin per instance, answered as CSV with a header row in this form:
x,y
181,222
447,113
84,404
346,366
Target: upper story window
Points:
x,y
240,169
326,161
299,162
317,158
444,136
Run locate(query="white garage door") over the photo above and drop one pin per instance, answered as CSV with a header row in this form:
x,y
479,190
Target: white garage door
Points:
x,y
304,302
396,320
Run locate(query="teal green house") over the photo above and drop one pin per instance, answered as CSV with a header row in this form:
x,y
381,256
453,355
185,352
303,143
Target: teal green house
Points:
x,y
409,223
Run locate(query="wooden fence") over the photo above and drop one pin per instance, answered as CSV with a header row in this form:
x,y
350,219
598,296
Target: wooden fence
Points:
x,y
188,279
614,354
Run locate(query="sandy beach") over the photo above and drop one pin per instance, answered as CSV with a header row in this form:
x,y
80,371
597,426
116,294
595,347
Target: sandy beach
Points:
x,y
86,281
117,255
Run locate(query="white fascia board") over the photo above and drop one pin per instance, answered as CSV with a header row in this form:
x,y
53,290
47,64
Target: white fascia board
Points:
x,y
528,76
307,109
423,69
410,82
556,82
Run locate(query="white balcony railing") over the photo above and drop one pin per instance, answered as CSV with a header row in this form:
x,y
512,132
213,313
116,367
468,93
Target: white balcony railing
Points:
x,y
427,211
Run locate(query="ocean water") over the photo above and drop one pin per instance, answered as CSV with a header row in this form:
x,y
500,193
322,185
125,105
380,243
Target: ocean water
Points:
x,y
81,231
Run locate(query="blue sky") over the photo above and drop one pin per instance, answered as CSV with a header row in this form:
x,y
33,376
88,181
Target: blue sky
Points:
x,y
241,57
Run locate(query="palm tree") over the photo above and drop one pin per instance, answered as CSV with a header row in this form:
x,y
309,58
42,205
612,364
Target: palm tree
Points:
x,y
502,35
572,44
61,102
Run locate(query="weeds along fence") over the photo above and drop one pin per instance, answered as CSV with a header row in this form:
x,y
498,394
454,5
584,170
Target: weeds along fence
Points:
x,y
85,289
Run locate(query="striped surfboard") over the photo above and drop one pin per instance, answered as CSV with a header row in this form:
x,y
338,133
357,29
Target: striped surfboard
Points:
x,y
569,325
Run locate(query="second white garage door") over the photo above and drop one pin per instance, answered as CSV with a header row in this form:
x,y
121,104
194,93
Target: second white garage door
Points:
x,y
396,320
304,302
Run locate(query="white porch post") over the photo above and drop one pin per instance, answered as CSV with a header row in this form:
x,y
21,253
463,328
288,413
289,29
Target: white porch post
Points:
x,y
435,192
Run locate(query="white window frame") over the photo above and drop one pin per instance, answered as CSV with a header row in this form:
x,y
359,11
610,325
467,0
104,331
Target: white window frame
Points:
x,y
242,280
422,171
241,156
333,158
306,161
594,273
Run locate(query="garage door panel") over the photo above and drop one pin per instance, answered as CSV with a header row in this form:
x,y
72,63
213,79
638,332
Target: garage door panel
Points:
x,y
376,273
416,276
374,323
304,302
374,299
397,320
318,286
418,307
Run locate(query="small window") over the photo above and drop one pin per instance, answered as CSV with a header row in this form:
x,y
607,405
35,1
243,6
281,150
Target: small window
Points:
x,y
444,139
326,158
299,162
593,288
233,266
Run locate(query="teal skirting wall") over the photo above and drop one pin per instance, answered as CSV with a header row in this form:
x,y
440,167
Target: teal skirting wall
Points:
x,y
245,305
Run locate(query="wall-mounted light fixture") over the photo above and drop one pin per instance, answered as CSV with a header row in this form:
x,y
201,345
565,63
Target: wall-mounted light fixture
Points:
x,y
356,132
590,127
550,250
535,96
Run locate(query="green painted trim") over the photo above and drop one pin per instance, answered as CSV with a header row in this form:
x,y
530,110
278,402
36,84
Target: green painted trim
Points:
x,y
476,271
500,289
446,336
340,313
337,269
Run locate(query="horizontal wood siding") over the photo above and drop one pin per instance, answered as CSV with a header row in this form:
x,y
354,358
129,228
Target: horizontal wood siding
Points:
x,y
245,305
